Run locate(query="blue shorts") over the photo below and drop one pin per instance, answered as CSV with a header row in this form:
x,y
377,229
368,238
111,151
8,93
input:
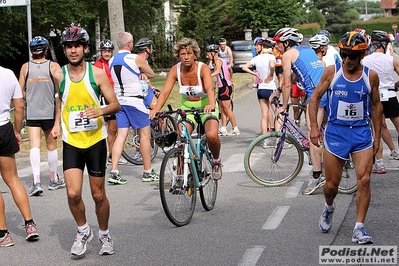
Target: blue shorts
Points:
x,y
130,116
264,94
343,140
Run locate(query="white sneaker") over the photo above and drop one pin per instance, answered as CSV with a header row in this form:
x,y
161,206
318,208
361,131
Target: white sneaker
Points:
x,y
223,131
235,131
394,155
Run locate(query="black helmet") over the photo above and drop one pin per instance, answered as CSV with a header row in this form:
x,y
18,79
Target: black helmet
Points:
x,y
75,34
354,41
212,48
38,45
379,37
222,40
143,44
107,45
268,43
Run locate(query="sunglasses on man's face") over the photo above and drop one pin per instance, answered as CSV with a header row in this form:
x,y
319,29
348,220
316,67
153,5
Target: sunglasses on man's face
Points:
x,y
351,56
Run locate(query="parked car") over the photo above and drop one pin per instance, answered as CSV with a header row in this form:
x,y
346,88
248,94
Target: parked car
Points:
x,y
242,53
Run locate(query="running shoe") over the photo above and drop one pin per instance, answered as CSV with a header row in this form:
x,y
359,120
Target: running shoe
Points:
x,y
269,143
148,177
107,246
79,246
394,155
223,131
6,241
31,232
314,184
60,183
116,178
36,190
325,221
137,156
235,131
361,237
379,169
217,169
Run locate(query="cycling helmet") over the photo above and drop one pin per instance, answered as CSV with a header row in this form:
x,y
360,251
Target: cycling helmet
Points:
x,y
300,39
325,33
363,32
258,40
222,41
107,45
268,43
143,44
318,40
379,37
354,41
212,48
287,34
38,45
75,34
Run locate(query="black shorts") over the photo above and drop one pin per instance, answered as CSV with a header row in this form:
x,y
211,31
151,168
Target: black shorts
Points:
x,y
264,94
43,124
278,70
109,117
8,141
224,93
391,108
94,158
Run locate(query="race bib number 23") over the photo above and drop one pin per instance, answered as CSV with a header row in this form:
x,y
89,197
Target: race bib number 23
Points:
x,y
79,122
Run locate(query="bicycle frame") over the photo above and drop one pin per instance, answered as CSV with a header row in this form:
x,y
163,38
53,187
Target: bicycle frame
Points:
x,y
192,151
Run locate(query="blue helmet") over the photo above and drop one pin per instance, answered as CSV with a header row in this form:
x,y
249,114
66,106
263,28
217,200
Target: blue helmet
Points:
x,y
325,33
38,45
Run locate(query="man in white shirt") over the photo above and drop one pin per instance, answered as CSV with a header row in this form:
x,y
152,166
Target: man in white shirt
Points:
x,y
384,64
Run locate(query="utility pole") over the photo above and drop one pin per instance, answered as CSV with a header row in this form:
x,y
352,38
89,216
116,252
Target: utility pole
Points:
x,y
116,21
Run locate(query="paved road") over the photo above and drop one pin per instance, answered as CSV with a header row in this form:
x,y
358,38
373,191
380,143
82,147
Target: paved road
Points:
x,y
250,225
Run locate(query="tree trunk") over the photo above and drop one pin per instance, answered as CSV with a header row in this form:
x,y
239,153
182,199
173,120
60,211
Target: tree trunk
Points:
x,y
116,21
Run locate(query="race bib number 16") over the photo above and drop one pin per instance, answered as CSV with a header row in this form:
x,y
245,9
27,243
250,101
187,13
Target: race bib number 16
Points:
x,y
79,122
350,111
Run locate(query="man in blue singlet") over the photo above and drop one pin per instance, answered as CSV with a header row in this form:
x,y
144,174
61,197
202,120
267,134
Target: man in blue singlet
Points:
x,y
308,68
353,100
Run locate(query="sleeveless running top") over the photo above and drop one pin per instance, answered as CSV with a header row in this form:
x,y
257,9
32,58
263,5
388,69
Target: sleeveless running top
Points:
x,y
77,130
348,102
40,91
224,55
308,68
223,78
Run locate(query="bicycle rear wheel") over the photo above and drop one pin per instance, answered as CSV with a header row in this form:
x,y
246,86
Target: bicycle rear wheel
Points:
x,y
131,148
178,202
261,164
208,186
348,184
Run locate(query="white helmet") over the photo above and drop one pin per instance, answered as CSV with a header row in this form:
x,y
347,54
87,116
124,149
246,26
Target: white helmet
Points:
x,y
286,34
300,39
318,40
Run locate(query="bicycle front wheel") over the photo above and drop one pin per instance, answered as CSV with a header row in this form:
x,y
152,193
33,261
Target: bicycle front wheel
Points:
x,y
270,162
131,148
348,184
208,186
178,202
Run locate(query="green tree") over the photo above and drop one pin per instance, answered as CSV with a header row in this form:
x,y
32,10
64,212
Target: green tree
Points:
x,y
338,21
316,16
271,14
201,23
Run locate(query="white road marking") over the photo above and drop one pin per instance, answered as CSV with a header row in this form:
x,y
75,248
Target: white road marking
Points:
x,y
251,256
293,191
275,218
